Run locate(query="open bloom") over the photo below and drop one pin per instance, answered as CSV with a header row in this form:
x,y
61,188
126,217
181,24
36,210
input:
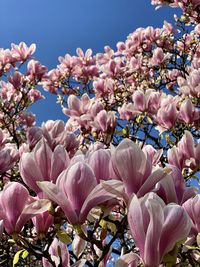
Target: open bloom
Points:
x,y
134,168
185,154
156,227
76,192
172,189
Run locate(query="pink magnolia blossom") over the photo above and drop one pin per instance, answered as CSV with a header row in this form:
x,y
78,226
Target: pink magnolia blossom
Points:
x,y
42,164
26,118
99,161
35,70
172,188
56,133
167,116
71,189
134,168
6,60
156,227
17,207
158,56
187,112
184,154
154,154
76,192
192,207
33,135
22,52
8,157
104,121
60,256
42,222
16,80
76,106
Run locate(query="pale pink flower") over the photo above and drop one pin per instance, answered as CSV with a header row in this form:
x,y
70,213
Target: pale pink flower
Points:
x,y
134,168
22,52
156,227
42,164
192,207
17,207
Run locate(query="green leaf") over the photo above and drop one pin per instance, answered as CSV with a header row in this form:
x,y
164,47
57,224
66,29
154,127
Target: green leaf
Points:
x,y
16,257
25,254
63,237
112,227
103,224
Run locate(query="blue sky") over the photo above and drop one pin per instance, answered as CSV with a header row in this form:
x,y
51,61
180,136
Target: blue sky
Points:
x,y
59,27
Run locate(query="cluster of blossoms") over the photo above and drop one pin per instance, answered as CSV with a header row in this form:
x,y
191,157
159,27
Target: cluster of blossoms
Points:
x,y
113,184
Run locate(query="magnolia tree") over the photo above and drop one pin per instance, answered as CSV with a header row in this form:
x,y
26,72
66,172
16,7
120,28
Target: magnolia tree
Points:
x,y
111,186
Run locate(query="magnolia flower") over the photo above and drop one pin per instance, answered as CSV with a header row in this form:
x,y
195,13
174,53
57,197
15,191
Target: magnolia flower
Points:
x,y
192,206
185,154
134,168
42,164
17,207
60,256
76,192
22,52
156,227
172,188
99,161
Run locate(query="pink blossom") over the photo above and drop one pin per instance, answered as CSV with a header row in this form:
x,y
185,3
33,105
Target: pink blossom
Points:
x,y
134,167
76,192
99,161
35,70
42,164
192,207
17,207
21,52
158,56
60,256
172,188
156,227
167,116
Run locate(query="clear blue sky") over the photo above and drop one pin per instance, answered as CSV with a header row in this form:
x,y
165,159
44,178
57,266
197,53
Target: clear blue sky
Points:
x,y
60,26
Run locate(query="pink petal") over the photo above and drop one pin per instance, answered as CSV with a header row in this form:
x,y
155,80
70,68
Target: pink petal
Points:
x,y
98,196
176,227
151,250
99,161
31,210
151,181
78,182
135,221
30,171
56,194
42,154
13,200
132,165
